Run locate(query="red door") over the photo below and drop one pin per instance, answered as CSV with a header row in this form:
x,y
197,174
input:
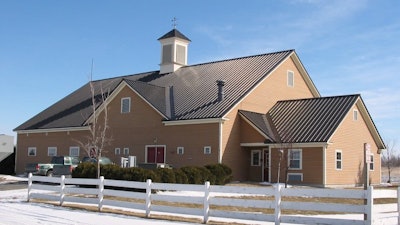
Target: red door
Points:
x,y
155,154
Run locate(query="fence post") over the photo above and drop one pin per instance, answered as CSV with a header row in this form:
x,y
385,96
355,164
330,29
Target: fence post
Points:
x,y
370,205
398,205
206,204
101,190
29,186
62,189
278,198
148,197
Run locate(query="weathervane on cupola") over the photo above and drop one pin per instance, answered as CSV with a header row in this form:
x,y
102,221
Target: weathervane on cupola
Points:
x,y
174,48
174,22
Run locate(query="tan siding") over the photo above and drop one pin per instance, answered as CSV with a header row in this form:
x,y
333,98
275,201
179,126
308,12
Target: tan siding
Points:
x,y
275,88
312,165
143,126
233,155
249,134
350,138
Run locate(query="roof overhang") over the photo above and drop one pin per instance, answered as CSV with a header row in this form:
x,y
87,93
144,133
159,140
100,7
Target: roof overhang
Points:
x,y
286,145
196,121
255,127
52,130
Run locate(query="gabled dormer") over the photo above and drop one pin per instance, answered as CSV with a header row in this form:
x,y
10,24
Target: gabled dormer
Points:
x,y
174,48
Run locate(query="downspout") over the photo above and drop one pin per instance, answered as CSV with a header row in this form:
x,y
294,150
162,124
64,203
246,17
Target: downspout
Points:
x,y
324,166
220,141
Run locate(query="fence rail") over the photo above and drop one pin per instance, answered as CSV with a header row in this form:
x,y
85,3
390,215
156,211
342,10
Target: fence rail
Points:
x,y
272,204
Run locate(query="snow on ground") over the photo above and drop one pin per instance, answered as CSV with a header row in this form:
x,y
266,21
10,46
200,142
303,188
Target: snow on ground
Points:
x,y
15,210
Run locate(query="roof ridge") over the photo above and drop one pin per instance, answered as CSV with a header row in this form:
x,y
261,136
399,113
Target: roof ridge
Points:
x,y
318,98
238,58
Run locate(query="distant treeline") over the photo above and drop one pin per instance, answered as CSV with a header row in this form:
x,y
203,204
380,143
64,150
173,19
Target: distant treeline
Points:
x,y
393,161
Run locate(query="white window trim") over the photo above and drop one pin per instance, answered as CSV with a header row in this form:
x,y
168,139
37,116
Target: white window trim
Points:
x,y
72,148
290,78
51,148
32,149
122,104
298,174
207,150
355,114
259,157
117,151
341,159
126,151
301,159
180,150
372,163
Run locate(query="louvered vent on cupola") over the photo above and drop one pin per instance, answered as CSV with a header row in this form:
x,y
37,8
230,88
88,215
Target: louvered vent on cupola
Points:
x,y
174,49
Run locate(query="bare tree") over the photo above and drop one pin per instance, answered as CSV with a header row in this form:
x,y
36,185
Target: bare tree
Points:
x,y
389,157
98,138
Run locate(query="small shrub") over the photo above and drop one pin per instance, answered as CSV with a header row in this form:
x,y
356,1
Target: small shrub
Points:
x,y
198,175
166,175
222,173
180,176
85,170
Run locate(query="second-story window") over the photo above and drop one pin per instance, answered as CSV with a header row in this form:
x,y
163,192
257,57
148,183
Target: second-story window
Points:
x,y
126,105
290,78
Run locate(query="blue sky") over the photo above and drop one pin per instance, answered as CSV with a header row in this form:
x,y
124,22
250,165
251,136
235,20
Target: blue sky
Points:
x,y
47,47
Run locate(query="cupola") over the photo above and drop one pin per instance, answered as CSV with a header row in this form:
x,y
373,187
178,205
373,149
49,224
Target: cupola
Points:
x,y
174,49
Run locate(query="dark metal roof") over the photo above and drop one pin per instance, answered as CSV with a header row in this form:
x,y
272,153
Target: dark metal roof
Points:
x,y
191,92
261,122
174,33
310,120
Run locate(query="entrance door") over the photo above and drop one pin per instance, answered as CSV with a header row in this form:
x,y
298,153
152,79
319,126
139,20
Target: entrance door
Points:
x,y
156,154
266,165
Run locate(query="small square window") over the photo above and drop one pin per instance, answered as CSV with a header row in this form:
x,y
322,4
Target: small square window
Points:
x,y
32,151
74,151
295,177
180,150
290,78
117,151
126,151
126,105
52,151
207,150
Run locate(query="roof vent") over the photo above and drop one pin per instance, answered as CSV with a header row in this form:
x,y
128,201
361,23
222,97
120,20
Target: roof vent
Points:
x,y
221,93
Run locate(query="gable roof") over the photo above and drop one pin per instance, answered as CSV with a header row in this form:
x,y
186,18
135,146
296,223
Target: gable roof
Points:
x,y
191,92
308,120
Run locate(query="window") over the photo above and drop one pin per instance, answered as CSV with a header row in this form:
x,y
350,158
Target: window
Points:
x,y
295,158
180,150
338,154
207,150
126,105
371,164
32,151
290,78
355,115
255,158
52,151
74,151
126,151
117,151
296,177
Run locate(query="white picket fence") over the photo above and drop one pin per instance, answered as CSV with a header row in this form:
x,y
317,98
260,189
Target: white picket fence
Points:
x,y
234,202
